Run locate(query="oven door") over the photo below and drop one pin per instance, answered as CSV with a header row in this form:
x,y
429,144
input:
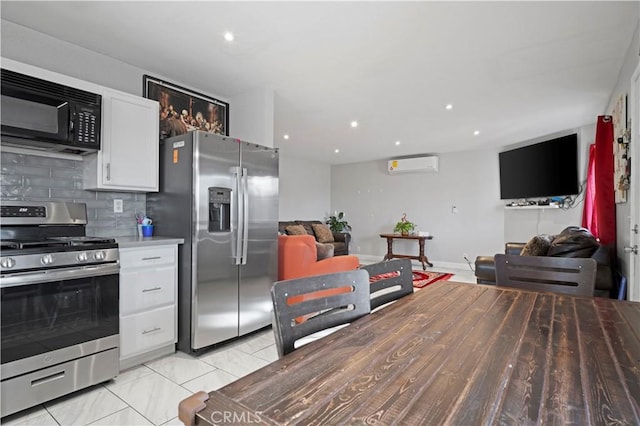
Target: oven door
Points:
x,y
53,316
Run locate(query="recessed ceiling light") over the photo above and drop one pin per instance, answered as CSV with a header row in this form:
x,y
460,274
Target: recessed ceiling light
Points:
x,y
336,151
228,36
286,136
449,106
354,124
397,143
476,133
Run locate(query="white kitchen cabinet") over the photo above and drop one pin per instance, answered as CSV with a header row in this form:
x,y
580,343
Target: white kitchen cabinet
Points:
x,y
147,288
148,303
146,331
128,159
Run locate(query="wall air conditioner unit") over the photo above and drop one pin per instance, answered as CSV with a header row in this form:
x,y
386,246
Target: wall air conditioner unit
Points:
x,y
413,165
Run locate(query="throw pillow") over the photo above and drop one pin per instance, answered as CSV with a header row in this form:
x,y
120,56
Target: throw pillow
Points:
x,y
323,233
573,241
295,230
306,225
537,246
324,250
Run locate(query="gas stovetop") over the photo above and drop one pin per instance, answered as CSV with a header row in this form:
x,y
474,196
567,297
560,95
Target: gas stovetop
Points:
x,y
17,256
55,242
43,235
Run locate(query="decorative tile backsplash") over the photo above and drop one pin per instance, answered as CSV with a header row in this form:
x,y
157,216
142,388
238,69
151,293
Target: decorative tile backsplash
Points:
x,y
36,178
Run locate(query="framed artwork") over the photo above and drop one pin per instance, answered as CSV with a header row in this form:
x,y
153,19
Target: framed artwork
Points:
x,y
182,110
621,163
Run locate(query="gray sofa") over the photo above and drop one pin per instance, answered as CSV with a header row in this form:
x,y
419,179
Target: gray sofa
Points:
x,y
572,242
341,240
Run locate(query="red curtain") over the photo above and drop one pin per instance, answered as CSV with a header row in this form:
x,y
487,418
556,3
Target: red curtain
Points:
x,y
589,214
599,214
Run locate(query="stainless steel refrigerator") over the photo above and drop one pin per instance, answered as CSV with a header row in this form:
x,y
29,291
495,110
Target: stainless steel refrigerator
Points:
x,y
221,195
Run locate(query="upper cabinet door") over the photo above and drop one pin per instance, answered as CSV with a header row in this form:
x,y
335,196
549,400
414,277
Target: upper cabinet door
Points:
x,y
128,160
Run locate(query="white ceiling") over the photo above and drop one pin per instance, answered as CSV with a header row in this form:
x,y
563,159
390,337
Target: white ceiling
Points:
x,y
512,70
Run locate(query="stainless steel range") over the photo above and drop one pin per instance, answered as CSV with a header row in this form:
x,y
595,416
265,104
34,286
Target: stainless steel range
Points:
x,y
59,304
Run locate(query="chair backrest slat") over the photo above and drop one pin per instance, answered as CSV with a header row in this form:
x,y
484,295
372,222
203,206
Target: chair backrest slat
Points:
x,y
393,275
303,306
576,276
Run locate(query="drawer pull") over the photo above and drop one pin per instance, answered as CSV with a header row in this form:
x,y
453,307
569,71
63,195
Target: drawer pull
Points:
x,y
146,290
47,379
154,329
152,258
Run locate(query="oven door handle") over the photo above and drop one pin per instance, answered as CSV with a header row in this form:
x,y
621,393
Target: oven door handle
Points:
x,y
37,277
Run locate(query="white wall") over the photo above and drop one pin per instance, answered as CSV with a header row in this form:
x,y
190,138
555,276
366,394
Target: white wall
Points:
x,y
304,185
521,224
251,113
623,213
304,189
34,48
251,118
374,201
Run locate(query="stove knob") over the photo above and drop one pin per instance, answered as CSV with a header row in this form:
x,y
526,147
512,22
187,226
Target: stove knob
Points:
x,y
47,259
99,255
7,262
82,256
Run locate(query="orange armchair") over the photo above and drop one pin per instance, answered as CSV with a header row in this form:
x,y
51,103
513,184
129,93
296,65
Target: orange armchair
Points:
x,y
297,257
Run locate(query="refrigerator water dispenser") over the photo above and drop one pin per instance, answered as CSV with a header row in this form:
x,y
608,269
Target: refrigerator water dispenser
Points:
x,y
219,209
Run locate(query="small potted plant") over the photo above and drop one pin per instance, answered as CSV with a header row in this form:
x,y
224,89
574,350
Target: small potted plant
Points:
x,y
404,226
337,223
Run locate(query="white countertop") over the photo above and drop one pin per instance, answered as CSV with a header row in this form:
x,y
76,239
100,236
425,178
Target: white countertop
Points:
x,y
127,242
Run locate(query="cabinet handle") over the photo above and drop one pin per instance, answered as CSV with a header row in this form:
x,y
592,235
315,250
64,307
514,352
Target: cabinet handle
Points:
x,y
152,258
151,289
108,171
151,331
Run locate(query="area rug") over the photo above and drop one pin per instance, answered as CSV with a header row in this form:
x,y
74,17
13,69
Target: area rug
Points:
x,y
420,279
424,278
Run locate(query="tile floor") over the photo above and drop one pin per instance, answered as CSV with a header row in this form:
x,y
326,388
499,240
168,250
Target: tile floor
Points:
x,y
149,394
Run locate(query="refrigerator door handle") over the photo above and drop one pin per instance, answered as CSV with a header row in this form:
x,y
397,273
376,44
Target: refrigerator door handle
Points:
x,y
239,209
245,215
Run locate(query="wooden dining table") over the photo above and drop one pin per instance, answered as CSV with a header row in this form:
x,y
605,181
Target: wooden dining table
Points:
x,y
458,354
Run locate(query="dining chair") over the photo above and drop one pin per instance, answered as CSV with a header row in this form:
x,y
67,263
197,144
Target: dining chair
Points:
x,y
390,280
575,276
303,306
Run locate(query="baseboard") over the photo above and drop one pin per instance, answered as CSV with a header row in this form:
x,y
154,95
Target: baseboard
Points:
x,y
451,265
368,259
135,360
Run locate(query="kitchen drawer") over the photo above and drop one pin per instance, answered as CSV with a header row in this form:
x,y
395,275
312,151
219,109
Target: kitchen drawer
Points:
x,y
148,256
142,289
43,385
146,331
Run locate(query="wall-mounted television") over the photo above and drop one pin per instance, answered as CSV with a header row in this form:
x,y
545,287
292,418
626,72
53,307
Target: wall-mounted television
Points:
x,y
545,169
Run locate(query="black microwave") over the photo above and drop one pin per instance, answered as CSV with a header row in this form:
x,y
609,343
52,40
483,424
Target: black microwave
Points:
x,y
46,115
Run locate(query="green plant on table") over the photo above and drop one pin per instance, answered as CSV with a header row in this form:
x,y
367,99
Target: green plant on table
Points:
x,y
404,226
337,223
